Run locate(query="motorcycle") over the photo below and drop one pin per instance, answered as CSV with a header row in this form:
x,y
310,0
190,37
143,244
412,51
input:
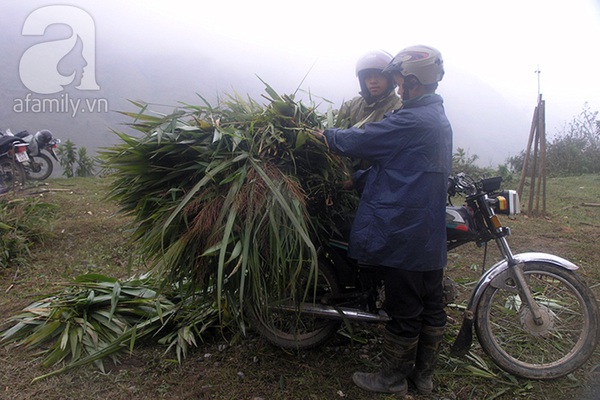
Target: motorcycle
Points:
x,y
40,165
532,314
13,156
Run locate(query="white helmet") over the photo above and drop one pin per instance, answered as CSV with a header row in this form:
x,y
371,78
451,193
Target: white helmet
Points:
x,y
424,62
376,60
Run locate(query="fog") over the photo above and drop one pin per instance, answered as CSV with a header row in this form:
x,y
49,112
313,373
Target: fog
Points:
x,y
166,52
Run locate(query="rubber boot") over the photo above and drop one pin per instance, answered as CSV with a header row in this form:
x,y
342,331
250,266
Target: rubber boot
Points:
x,y
428,350
398,359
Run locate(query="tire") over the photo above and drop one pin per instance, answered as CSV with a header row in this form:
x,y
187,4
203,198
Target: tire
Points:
x,y
291,329
41,168
565,340
12,174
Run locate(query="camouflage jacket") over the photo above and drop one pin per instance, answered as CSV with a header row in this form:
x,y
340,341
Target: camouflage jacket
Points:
x,y
357,111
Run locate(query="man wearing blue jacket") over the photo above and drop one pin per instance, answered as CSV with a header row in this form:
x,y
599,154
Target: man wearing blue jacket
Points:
x,y
400,224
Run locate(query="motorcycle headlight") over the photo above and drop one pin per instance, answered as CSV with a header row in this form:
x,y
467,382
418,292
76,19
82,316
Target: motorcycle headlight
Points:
x,y
507,202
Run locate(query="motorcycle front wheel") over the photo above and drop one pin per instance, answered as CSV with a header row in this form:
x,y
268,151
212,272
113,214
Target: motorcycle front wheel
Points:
x,y
40,167
12,174
276,315
561,342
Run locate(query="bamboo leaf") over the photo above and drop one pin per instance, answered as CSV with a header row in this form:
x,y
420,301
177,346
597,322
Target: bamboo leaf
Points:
x,y
221,265
44,333
132,339
11,332
235,253
114,299
270,91
55,356
65,337
74,338
94,278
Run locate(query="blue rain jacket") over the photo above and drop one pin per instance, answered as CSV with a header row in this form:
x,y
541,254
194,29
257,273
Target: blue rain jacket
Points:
x,y
401,217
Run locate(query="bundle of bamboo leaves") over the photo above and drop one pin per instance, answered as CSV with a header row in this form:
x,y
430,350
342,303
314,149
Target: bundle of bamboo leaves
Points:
x,y
95,317
224,196
229,202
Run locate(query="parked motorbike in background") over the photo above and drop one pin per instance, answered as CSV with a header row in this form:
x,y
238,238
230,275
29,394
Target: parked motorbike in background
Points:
x,y
533,314
13,157
40,165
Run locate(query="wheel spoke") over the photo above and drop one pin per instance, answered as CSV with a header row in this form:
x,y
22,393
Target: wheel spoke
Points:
x,y
41,167
509,333
12,175
276,318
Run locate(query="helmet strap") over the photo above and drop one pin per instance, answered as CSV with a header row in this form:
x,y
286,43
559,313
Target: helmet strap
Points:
x,y
410,82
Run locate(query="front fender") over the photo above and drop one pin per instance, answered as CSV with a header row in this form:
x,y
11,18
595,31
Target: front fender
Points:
x,y
497,276
52,153
497,273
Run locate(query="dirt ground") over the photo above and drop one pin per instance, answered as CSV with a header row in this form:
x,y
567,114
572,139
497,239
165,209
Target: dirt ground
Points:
x,y
87,236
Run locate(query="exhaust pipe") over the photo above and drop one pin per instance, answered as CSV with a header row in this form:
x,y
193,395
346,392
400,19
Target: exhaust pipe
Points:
x,y
330,312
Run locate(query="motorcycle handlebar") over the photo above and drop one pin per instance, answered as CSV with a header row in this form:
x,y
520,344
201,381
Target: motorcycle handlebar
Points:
x,y
462,183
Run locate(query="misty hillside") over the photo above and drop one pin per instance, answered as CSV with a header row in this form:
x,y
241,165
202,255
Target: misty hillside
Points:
x,y
165,73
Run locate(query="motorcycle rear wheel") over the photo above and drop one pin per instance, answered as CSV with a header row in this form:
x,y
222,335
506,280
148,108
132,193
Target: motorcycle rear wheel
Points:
x,y
12,174
564,341
40,168
292,329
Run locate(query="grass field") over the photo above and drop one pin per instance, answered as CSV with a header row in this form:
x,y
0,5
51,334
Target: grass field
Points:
x,y
88,236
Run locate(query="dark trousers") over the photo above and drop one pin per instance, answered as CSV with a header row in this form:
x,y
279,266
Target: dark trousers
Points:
x,y
413,299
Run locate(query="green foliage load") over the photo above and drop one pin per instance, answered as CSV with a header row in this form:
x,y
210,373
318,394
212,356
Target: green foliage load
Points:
x,y
228,202
225,196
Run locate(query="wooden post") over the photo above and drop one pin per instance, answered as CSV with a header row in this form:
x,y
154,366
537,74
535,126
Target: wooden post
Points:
x,y
537,171
527,152
534,168
542,128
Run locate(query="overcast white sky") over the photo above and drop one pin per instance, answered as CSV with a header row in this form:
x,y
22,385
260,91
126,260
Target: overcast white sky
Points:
x,y
491,49
498,43
501,43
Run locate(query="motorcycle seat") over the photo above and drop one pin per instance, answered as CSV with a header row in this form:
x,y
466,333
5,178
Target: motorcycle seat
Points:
x,y
22,134
4,140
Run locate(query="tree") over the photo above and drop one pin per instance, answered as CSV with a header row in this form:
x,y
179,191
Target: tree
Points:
x,y
68,157
574,150
463,162
75,162
577,149
85,164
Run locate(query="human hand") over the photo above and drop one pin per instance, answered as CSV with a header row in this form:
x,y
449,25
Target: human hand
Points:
x,y
318,134
347,184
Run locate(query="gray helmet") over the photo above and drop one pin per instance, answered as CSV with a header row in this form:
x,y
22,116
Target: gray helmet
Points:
x,y
377,59
424,62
